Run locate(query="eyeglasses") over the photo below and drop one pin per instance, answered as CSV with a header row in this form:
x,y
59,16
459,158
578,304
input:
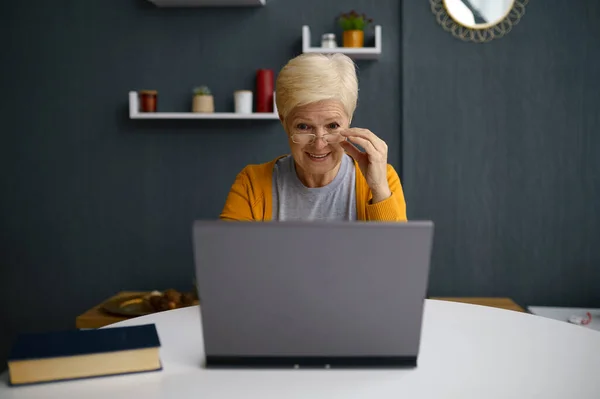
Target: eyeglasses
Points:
x,y
309,138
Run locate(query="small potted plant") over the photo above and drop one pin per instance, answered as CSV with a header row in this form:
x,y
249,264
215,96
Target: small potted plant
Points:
x,y
353,24
203,100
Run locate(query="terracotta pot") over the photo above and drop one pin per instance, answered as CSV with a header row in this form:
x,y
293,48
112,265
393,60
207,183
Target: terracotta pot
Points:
x,y
354,38
204,104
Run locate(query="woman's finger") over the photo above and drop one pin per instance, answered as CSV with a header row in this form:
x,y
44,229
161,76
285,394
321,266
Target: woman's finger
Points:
x,y
379,144
366,144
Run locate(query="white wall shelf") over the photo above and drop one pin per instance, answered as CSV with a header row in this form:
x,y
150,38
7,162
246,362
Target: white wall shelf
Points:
x,y
134,113
357,53
208,3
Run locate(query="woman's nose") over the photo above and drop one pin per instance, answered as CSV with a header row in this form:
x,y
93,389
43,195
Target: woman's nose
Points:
x,y
320,143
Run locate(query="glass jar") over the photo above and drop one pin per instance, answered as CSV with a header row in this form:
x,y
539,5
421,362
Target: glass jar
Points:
x,y
148,100
328,40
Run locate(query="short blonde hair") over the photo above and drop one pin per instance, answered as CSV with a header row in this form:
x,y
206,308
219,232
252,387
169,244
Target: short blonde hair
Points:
x,y
313,77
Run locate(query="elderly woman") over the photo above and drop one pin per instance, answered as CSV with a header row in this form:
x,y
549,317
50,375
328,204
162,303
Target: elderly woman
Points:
x,y
325,177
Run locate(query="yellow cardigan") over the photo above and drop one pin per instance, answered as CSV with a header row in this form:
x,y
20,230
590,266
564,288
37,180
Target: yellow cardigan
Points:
x,y
251,196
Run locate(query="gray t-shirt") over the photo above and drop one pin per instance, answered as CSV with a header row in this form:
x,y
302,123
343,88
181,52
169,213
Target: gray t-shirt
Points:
x,y
292,200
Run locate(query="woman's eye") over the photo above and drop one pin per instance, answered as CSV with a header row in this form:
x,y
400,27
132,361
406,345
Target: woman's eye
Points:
x,y
302,126
333,125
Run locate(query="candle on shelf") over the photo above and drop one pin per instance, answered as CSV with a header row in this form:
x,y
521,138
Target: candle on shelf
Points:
x,y
264,90
243,101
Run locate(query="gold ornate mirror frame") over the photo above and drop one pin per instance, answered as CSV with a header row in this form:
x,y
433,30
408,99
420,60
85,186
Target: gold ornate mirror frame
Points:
x,y
478,34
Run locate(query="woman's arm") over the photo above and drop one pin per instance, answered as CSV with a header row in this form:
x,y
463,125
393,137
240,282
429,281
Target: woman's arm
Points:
x,y
238,206
393,208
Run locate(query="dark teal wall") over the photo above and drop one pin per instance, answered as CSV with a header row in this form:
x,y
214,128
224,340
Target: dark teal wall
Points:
x,y
501,149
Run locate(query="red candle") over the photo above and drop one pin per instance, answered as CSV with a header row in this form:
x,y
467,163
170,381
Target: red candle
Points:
x,y
264,90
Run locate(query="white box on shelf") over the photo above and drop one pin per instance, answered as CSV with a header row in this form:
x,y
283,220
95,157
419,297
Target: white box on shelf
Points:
x,y
358,53
134,113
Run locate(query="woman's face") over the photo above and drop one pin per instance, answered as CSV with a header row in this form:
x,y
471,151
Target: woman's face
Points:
x,y
321,153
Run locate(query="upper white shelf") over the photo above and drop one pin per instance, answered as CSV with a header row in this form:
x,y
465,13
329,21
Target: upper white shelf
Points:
x,y
197,115
357,53
208,3
134,113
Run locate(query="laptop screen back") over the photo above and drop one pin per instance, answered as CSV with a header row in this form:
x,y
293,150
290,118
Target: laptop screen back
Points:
x,y
312,289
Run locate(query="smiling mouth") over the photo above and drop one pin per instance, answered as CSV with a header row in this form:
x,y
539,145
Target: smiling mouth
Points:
x,y
318,157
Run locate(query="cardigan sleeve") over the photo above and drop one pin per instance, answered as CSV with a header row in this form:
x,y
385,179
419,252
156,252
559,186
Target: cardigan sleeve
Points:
x,y
393,208
238,205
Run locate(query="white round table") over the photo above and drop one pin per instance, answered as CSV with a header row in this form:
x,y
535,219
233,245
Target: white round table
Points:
x,y
467,351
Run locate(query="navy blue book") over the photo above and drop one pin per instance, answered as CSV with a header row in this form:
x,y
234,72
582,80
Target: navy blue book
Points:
x,y
74,354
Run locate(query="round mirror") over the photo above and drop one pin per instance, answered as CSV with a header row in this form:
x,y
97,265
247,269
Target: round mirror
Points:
x,y
478,14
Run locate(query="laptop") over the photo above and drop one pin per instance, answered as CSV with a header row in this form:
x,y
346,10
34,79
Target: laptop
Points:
x,y
312,294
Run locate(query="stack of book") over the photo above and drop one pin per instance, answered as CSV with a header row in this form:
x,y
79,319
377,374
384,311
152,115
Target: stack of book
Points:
x,y
75,354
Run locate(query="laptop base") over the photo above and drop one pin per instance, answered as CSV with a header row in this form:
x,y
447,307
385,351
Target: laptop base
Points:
x,y
311,361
